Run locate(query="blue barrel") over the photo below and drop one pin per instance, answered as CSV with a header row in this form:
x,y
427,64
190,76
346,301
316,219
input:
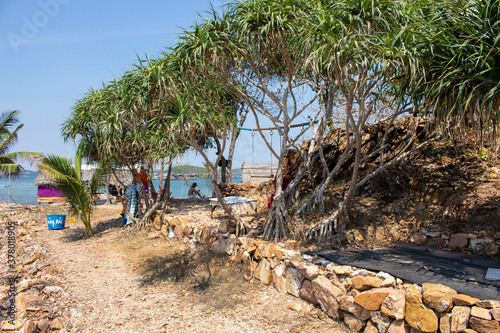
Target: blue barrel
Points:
x,y
56,221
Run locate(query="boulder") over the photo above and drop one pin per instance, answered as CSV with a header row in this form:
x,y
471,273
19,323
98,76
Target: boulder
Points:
x,y
459,318
462,299
394,304
347,303
309,270
327,293
482,313
445,323
354,323
417,314
399,326
307,292
483,325
29,327
459,241
483,246
340,270
496,314
438,296
372,299
366,282
438,243
263,271
370,328
488,304
293,280
381,321
279,280
389,281
219,246
418,238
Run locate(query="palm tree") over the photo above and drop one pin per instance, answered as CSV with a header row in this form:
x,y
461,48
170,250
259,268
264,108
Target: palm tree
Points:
x,y
67,177
8,138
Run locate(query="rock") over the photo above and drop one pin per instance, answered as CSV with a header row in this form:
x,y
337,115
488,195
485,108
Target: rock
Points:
x,y
488,304
483,246
388,282
340,270
43,325
394,304
438,243
309,270
264,251
278,252
230,244
381,321
462,299
459,241
416,314
29,327
279,280
445,323
307,292
354,237
326,293
157,222
496,314
366,282
219,246
484,326
399,326
263,271
372,299
294,280
370,328
346,303
178,231
154,235
164,230
432,234
245,242
6,326
24,300
418,238
438,296
56,325
354,323
51,290
459,318
479,312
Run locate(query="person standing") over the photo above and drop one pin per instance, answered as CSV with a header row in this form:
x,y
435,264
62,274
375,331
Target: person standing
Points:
x,y
132,194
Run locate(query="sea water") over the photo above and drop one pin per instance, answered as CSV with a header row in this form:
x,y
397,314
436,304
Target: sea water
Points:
x,y
23,189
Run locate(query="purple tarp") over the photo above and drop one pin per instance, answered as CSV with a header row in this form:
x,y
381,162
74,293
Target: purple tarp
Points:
x,y
48,191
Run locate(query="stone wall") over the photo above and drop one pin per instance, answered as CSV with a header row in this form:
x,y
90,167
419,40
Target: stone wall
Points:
x,y
366,301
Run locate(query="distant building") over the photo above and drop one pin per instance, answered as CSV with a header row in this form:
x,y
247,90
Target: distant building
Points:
x,y
47,191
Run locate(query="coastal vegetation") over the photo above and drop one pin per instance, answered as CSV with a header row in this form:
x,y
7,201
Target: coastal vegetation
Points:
x,y
348,63
67,177
9,130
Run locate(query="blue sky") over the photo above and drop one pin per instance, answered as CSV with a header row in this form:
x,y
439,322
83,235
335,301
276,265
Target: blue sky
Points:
x,y
53,51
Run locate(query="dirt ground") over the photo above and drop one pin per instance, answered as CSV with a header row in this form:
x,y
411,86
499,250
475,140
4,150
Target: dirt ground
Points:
x,y
121,281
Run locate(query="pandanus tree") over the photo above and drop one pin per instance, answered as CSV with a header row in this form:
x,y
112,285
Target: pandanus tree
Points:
x,y
115,122
256,51
200,114
459,76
